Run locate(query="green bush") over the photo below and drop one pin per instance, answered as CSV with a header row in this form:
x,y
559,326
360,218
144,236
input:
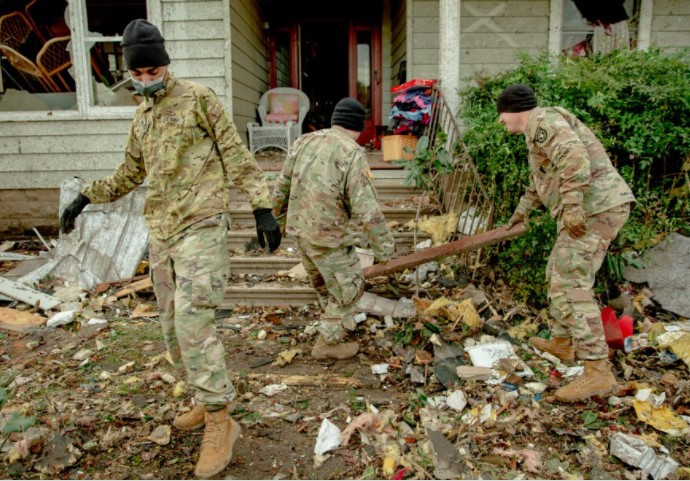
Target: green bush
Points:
x,y
638,105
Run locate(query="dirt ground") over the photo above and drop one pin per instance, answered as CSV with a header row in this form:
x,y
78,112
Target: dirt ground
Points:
x,y
94,411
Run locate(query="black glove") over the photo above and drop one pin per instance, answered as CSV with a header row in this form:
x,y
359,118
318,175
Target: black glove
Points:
x,y
71,212
267,225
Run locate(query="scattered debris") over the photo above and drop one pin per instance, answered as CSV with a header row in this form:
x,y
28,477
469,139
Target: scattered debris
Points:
x,y
61,319
329,437
286,357
446,457
15,320
665,268
161,435
273,389
378,369
662,418
457,400
26,294
635,452
473,373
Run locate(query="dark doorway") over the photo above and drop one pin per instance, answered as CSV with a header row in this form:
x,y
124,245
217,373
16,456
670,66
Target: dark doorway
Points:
x,y
324,72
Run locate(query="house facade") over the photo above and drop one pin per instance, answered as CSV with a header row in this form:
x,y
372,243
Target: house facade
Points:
x,y
65,108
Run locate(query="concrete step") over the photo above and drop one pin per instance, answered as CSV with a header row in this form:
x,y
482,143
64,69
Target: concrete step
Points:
x,y
267,294
237,239
241,213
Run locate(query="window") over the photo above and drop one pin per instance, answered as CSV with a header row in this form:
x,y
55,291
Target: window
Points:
x,y
55,56
578,32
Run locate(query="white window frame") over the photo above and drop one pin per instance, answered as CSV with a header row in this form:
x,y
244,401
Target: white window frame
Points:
x,y
82,69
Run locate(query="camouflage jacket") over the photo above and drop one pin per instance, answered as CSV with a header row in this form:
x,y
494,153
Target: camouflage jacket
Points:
x,y
187,146
568,165
326,182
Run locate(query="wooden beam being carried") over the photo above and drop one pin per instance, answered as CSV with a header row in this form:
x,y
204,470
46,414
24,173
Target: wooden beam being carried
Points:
x,y
466,244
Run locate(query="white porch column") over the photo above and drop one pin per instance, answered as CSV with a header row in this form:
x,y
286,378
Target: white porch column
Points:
x,y
449,51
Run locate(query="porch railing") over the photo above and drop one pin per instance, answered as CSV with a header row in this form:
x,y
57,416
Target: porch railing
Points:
x,y
462,192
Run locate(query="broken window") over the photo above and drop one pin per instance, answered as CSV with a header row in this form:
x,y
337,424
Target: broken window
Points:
x,y
42,43
594,26
35,56
105,22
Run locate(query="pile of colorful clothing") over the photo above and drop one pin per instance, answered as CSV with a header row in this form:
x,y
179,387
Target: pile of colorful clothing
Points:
x,y
411,111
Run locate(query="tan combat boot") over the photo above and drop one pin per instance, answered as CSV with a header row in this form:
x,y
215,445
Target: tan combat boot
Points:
x,y
597,380
341,350
561,347
216,446
190,420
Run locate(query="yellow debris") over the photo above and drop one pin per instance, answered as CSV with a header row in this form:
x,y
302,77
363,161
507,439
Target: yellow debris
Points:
x,y
285,357
465,312
661,418
179,389
522,330
678,343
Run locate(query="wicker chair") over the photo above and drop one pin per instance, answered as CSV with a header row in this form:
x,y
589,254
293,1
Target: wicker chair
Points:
x,y
26,66
282,111
54,58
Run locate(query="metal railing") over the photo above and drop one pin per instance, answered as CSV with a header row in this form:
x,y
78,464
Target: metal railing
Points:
x,y
462,191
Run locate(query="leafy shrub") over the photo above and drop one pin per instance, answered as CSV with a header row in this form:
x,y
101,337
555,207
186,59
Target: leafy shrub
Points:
x,y
638,105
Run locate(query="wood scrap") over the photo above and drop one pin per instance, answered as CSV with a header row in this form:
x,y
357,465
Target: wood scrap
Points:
x,y
14,256
14,320
132,288
466,244
26,294
300,380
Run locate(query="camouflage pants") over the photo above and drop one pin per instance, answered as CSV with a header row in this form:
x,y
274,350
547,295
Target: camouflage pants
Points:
x,y
571,272
189,273
336,275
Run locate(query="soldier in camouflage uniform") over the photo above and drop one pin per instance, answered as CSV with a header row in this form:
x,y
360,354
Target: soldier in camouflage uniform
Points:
x,y
183,141
326,182
572,176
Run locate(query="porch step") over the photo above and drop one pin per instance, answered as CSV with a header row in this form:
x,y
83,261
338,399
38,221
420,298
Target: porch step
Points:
x,y
237,239
241,214
262,265
386,189
267,294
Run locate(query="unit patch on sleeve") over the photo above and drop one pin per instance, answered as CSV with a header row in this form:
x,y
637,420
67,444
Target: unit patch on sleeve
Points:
x,y
541,135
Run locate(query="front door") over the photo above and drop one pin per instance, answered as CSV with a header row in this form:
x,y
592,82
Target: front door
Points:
x,y
329,60
365,75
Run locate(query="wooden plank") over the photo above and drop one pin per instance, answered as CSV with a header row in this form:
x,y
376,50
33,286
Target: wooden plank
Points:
x,y
191,49
467,244
132,288
14,320
27,294
300,380
15,256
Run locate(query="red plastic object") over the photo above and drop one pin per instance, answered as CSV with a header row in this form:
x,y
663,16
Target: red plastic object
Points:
x,y
626,325
400,474
415,82
612,330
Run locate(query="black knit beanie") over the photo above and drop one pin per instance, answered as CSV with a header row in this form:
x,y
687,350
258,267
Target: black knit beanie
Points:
x,y
349,114
143,45
516,98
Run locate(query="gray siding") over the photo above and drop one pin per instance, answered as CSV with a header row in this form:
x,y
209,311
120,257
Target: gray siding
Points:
x,y
194,36
424,39
398,37
492,32
41,154
249,61
671,24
